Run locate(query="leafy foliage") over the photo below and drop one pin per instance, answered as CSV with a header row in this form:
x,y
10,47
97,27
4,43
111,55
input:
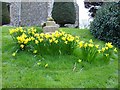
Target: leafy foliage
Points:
x,y
64,13
106,25
92,6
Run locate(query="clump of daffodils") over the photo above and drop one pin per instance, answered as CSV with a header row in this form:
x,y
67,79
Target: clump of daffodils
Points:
x,y
90,50
58,42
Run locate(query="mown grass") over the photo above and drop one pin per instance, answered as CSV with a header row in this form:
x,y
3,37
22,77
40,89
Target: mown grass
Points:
x,y
23,71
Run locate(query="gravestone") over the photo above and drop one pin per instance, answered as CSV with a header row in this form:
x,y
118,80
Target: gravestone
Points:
x,y
50,27
28,13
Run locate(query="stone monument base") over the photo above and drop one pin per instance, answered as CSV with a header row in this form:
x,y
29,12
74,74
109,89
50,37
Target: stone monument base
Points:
x,y
50,27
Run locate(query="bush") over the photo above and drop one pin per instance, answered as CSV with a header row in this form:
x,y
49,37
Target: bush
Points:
x,y
5,14
106,24
64,13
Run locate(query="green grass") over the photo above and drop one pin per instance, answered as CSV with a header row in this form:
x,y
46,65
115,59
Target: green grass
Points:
x,y
23,71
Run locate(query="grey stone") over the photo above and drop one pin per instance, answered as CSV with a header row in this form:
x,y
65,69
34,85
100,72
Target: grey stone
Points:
x,y
33,13
51,26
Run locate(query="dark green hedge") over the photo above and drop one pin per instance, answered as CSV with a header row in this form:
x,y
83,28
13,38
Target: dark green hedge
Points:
x,y
64,13
5,14
106,24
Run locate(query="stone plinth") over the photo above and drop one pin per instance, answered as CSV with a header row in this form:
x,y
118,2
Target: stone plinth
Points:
x,y
50,23
51,26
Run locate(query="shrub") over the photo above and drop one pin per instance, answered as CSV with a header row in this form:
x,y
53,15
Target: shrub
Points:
x,y
106,24
5,14
64,13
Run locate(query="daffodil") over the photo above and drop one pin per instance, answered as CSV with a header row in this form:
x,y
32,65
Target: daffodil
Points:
x,y
90,45
66,42
77,37
57,34
81,44
56,41
21,30
63,38
11,31
32,38
63,33
97,46
42,34
26,41
77,41
36,35
47,36
115,50
90,41
50,40
38,63
85,45
36,42
109,45
41,39
79,60
103,49
106,48
106,55
35,51
99,51
22,46
46,65
13,54
53,38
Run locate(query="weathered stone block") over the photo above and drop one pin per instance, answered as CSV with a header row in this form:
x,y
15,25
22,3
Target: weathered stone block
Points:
x,y
48,29
50,23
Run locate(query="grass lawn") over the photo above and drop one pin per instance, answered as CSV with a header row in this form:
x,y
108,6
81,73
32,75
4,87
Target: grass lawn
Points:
x,y
23,71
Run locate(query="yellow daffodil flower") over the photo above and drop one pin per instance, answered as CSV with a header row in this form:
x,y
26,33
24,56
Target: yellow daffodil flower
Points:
x,y
13,54
32,38
56,41
115,50
46,65
97,46
38,63
77,41
106,48
106,55
21,30
41,40
26,41
90,45
90,41
79,60
42,34
63,38
36,42
53,38
85,45
66,42
36,35
109,45
22,46
35,51
47,36
103,49
81,44
50,40
99,51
